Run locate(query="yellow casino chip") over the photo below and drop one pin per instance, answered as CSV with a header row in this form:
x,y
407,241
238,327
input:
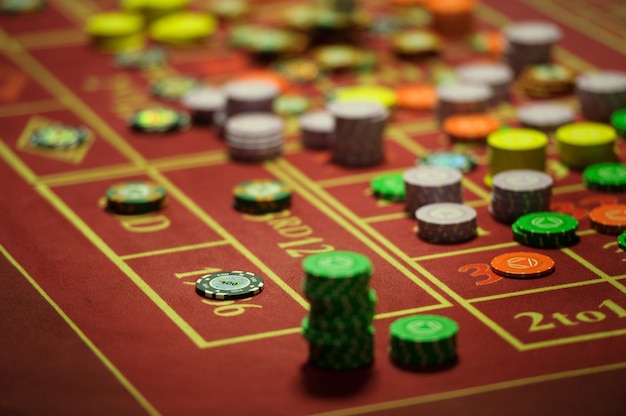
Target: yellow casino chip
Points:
x,y
116,31
376,93
517,139
183,28
586,134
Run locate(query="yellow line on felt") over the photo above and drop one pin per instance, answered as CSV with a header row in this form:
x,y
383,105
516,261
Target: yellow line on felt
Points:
x,y
71,216
466,251
533,291
30,107
214,225
173,250
51,38
12,160
252,337
396,404
96,351
594,269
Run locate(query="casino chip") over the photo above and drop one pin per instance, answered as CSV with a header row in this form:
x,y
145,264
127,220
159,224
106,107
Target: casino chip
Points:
x,y
291,104
423,340
147,58
446,223
608,219
261,196
415,43
183,28
59,137
389,187
174,87
230,285
522,265
607,177
21,6
416,96
133,198
583,144
519,191
470,127
116,32
545,230
159,120
375,93
464,162
298,69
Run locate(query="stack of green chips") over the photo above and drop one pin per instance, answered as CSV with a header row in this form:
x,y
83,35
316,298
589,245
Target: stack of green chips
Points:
x,y
621,241
423,340
545,230
605,177
339,325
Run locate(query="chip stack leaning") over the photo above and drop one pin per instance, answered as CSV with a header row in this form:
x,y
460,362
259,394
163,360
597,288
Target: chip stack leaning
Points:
x,y
358,139
339,327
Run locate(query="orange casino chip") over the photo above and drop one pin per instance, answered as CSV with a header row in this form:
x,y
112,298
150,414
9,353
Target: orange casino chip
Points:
x,y
267,76
609,219
470,127
416,96
522,265
450,6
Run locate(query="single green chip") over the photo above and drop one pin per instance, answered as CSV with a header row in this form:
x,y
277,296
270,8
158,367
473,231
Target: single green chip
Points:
x,y
621,241
151,57
547,223
423,328
21,6
605,176
159,120
135,193
389,186
337,265
59,136
457,160
260,190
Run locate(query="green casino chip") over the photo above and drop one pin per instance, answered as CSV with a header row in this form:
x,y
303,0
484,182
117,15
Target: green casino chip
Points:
x,y
59,136
457,160
607,176
337,265
291,104
159,120
229,285
621,241
389,187
423,328
137,197
174,87
547,224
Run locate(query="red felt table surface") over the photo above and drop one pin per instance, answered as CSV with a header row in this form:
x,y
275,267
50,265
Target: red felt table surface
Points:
x,y
99,315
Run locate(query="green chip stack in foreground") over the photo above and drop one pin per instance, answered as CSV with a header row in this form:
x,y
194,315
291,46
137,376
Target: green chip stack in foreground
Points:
x,y
261,196
606,177
545,230
423,340
339,325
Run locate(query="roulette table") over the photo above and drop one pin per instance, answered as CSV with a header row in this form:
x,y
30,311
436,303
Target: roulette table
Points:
x,y
99,313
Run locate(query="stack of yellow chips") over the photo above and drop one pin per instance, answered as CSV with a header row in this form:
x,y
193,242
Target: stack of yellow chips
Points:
x,y
585,143
154,9
183,28
516,149
376,93
116,32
